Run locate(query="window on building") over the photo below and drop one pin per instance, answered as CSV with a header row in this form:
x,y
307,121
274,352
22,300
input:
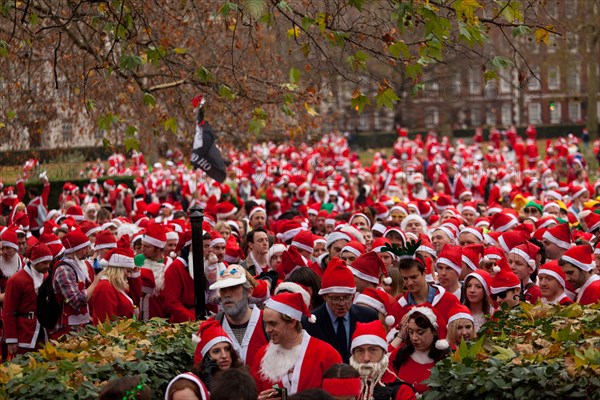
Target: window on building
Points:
x,y
570,9
67,131
476,116
573,79
553,77
533,82
552,42
535,113
432,117
574,111
491,90
572,41
555,112
432,90
490,115
474,82
505,81
506,114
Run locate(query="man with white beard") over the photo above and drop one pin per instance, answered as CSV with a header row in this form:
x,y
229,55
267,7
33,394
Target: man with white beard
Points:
x,y
152,271
370,358
242,322
293,360
10,262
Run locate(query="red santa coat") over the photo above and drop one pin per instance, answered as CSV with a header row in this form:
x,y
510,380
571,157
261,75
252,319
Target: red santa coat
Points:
x,y
533,294
316,356
109,303
404,391
414,373
254,337
179,292
20,322
589,292
443,302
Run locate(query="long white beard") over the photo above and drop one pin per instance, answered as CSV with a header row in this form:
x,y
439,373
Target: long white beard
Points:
x,y
84,270
158,269
191,265
11,267
370,375
278,361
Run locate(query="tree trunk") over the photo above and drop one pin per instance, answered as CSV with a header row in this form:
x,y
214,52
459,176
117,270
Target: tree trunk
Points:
x,y
592,84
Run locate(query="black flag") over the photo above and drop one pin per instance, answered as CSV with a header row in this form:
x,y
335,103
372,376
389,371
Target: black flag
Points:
x,y
205,154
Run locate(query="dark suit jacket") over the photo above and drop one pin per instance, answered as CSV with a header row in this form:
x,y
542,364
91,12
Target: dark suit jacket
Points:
x,y
323,329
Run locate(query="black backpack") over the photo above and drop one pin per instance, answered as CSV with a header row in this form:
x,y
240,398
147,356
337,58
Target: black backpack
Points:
x,y
48,308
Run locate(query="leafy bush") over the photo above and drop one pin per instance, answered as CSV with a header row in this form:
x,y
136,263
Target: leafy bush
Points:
x,y
534,352
76,367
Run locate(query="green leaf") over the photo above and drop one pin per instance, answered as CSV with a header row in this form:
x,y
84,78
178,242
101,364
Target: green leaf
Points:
x,y
171,125
511,11
413,71
130,141
33,18
504,354
11,115
149,100
358,61
155,54
521,30
3,48
129,61
359,101
258,122
180,50
499,62
227,8
399,49
356,4
105,122
106,143
386,98
255,8
205,75
90,104
489,75
226,92
294,75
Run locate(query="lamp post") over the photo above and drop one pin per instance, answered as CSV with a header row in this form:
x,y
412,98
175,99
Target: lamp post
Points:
x,y
196,218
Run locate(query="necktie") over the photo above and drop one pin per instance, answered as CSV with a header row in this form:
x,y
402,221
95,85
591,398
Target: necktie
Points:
x,y
341,334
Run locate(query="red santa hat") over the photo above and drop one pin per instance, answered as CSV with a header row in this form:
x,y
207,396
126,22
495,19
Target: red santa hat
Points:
x,y
304,240
560,235
360,215
502,222
288,229
379,244
334,237
448,231
472,254
482,222
381,211
204,395
370,267
592,221
436,320
89,228
109,184
119,257
314,209
425,208
355,247
554,270
528,252
53,243
291,260
155,235
75,212
443,202
225,210
209,334
460,311
469,206
493,253
504,280
379,228
475,231
370,333
233,275
337,278
508,240
38,253
216,239
21,220
74,241
105,240
577,191
483,277
290,304
580,256
9,238
546,221
381,301
293,287
397,230
451,255
426,245
255,210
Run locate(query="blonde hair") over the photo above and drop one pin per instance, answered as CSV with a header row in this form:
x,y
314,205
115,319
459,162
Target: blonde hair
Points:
x,y
222,225
397,281
117,277
20,207
452,334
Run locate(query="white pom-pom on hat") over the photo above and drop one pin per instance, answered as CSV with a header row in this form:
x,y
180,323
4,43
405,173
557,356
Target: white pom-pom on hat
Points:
x,y
442,344
390,320
387,280
195,338
173,255
103,263
312,319
496,269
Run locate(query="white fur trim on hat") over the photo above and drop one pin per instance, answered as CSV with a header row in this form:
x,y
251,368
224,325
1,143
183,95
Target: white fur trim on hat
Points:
x,y
302,246
111,245
553,274
214,341
289,235
377,227
351,249
456,316
40,260
412,217
371,302
77,248
427,312
560,243
448,262
334,237
293,287
153,241
12,245
472,231
217,241
370,340
446,230
579,264
338,289
172,235
524,256
284,309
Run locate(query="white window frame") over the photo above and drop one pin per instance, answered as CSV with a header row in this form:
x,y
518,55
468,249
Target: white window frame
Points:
x,y
506,114
553,83
556,115
534,113
574,111
476,116
534,84
432,117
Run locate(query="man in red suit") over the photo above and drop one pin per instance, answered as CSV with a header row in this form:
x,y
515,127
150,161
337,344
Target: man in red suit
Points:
x,y
22,331
292,360
578,266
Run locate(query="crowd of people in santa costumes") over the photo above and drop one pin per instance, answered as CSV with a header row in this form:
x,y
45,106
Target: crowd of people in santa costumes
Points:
x,y
322,274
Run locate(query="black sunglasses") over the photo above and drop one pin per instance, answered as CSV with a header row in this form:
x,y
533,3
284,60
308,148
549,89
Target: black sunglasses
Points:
x,y
531,210
501,295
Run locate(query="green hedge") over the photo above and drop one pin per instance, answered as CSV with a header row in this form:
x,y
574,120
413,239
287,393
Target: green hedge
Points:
x,y
534,352
77,367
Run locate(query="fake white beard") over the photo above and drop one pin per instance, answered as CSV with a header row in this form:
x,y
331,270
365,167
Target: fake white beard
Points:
x,y
158,269
37,278
83,267
278,361
9,268
191,265
371,372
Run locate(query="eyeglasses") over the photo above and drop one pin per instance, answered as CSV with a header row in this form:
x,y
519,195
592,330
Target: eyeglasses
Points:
x,y
338,300
530,210
501,295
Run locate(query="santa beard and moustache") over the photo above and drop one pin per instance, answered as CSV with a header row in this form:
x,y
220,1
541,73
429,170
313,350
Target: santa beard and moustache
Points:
x,y
277,361
235,311
370,374
158,270
9,268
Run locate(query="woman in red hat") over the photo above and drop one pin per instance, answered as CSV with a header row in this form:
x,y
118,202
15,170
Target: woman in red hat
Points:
x,y
476,296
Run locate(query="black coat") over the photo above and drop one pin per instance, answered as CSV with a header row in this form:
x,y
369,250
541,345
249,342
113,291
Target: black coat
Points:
x,y
323,329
